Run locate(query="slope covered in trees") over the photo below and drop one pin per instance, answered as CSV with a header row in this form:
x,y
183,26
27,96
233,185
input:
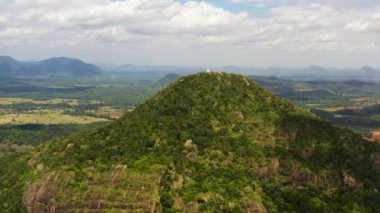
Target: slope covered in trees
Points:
x,y
209,142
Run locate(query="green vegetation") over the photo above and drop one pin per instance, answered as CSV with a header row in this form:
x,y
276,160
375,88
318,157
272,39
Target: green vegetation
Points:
x,y
210,142
365,120
339,102
323,94
47,118
34,134
64,105
11,101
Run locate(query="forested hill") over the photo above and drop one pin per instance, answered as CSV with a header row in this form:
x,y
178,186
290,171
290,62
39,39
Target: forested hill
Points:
x,y
210,142
60,66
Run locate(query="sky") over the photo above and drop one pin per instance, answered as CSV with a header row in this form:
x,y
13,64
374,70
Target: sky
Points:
x,y
252,33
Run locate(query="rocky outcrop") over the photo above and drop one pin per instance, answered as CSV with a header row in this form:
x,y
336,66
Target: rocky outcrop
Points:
x,y
268,168
376,160
188,144
288,136
240,115
178,203
255,207
38,197
191,207
135,192
192,156
178,182
350,182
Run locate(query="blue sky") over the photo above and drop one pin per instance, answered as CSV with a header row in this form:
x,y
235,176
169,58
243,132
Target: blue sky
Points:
x,y
260,8
256,10
257,33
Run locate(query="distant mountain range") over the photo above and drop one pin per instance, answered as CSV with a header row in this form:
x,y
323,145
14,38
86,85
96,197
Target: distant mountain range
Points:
x,y
153,68
59,66
313,72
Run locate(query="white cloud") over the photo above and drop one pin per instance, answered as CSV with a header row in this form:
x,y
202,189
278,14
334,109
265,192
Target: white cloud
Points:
x,y
327,37
140,30
272,2
357,26
351,3
334,3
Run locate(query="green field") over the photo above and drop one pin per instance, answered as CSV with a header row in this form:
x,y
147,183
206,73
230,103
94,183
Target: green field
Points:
x,y
47,118
33,111
11,101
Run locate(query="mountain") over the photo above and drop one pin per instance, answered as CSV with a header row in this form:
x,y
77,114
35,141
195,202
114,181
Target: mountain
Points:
x,y
315,69
369,71
210,142
8,65
166,80
61,66
359,83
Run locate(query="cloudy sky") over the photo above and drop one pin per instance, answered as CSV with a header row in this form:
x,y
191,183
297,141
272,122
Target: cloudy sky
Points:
x,y
259,33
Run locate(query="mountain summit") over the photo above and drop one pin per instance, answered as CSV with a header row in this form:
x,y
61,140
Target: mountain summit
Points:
x,y
211,142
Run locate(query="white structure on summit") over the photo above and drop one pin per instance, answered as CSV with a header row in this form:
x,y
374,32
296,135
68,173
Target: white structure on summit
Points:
x,y
208,70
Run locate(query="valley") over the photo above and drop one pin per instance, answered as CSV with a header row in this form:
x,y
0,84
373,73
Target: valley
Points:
x,y
35,110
